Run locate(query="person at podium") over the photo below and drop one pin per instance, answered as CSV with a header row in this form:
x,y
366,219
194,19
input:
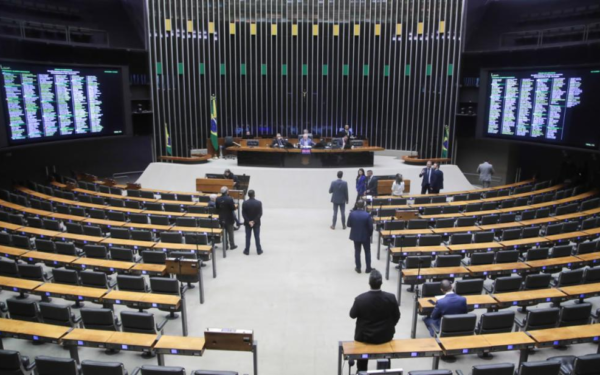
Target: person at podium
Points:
x,y
306,142
346,143
346,132
278,141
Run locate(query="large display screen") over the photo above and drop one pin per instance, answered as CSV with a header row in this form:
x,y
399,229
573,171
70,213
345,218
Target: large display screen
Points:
x,y
552,106
55,102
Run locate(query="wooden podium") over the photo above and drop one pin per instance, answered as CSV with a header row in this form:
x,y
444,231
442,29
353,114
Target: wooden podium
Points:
x,y
212,185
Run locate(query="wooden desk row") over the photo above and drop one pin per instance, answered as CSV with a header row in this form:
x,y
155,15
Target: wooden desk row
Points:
x,y
135,300
73,338
451,346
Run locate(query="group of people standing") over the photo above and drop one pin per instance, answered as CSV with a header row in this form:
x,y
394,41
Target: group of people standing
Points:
x,y
433,179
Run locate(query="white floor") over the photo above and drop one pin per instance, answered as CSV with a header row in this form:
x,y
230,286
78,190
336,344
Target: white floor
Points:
x,y
296,296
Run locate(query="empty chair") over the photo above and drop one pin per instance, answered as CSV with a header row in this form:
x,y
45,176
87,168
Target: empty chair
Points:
x,y
9,268
448,261
210,223
496,322
104,189
430,240
196,239
101,319
102,368
166,285
473,207
17,219
97,214
538,319
460,238
122,254
95,251
511,234
66,248
586,247
432,211
168,196
35,222
85,198
473,196
78,211
570,226
154,206
120,233
457,325
65,276
527,215
140,322
444,223
466,221
132,283
116,202
539,281
489,219
385,212
62,209
437,199
116,191
159,220
407,241
570,277
418,224
483,237
491,194
583,365
116,216
422,200
589,223
147,194
509,203
542,213
575,315
201,209
494,369
51,225
504,193
387,225
567,209
23,309
21,242
45,246
537,254
58,315
92,230
94,279
530,232
51,366
74,228
5,239
482,258
186,222
138,218
133,193
506,284
141,235
32,272
590,204
591,275
523,201
47,206
507,256
171,237
451,209
161,370
12,363
154,257
98,200
189,198
416,261
488,206
561,251
459,198
431,289
172,207
468,287
507,218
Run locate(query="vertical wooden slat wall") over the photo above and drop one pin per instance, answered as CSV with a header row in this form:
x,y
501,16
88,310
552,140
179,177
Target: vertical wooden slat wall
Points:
x,y
387,68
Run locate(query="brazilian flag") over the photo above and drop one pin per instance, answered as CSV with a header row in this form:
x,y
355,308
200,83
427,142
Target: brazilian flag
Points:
x,y
214,136
168,141
445,141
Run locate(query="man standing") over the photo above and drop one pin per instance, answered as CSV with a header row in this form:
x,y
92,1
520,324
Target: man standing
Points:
x,y
371,184
252,212
486,171
361,224
339,198
426,173
226,209
437,179
376,313
449,304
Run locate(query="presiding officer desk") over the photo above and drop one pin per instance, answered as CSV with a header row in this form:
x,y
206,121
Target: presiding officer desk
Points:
x,y
305,158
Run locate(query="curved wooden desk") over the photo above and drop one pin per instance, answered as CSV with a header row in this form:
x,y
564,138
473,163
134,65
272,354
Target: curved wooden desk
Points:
x,y
415,160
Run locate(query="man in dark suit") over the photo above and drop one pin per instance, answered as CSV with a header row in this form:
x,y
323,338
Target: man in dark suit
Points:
x,y
229,175
376,313
339,198
361,230
449,304
278,141
226,209
437,179
427,174
371,184
252,212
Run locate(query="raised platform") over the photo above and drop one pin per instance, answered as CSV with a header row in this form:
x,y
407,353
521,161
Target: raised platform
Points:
x,y
292,188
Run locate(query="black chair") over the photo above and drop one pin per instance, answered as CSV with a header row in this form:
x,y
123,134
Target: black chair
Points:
x,y
509,203
468,287
570,226
496,322
539,281
523,201
65,276
214,223
159,370
448,261
483,237
186,222
507,256
489,206
141,235
457,325
133,193
507,218
413,261
482,258
465,221
436,199
569,277
494,369
166,285
95,280
537,254
591,275
132,283
451,209
140,322
539,319
511,234
52,225
589,204
58,315
122,254
35,222
85,199
147,194
422,200
405,241
120,233
489,219
154,206
586,247
589,223
504,193
419,372
116,216
12,363
491,194
95,251
506,284
51,366
9,268
185,198
98,200
5,239
33,272
168,197
432,211
172,207
74,228
104,189
102,368
78,211
529,214
430,240
92,230
542,213
101,319
575,315
138,218
583,365
171,237
159,220
473,207
23,309
538,368
387,225
530,232
62,209
45,246
561,251
431,289
553,229
460,238
66,248
418,224
459,198
154,257
444,223
473,196
21,242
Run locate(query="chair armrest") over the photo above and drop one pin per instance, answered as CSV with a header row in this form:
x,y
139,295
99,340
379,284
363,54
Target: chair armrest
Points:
x,y
520,323
110,286
161,325
136,371
459,372
48,277
184,288
596,315
30,366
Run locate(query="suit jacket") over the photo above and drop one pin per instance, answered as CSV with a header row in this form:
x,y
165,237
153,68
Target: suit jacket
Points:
x,y
234,178
451,304
437,180
485,170
376,314
361,185
252,211
361,226
226,208
339,191
426,178
276,141
371,186
308,142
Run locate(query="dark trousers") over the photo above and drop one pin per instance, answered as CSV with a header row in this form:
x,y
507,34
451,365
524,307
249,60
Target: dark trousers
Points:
x,y
342,207
426,189
362,365
431,325
256,230
229,229
367,247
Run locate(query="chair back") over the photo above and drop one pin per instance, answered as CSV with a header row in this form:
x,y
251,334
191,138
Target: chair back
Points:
x,y
164,285
496,322
94,279
54,365
138,322
56,314
11,362
468,287
65,276
575,315
586,364
507,284
132,283
23,309
102,368
539,281
458,325
101,319
541,367
542,319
